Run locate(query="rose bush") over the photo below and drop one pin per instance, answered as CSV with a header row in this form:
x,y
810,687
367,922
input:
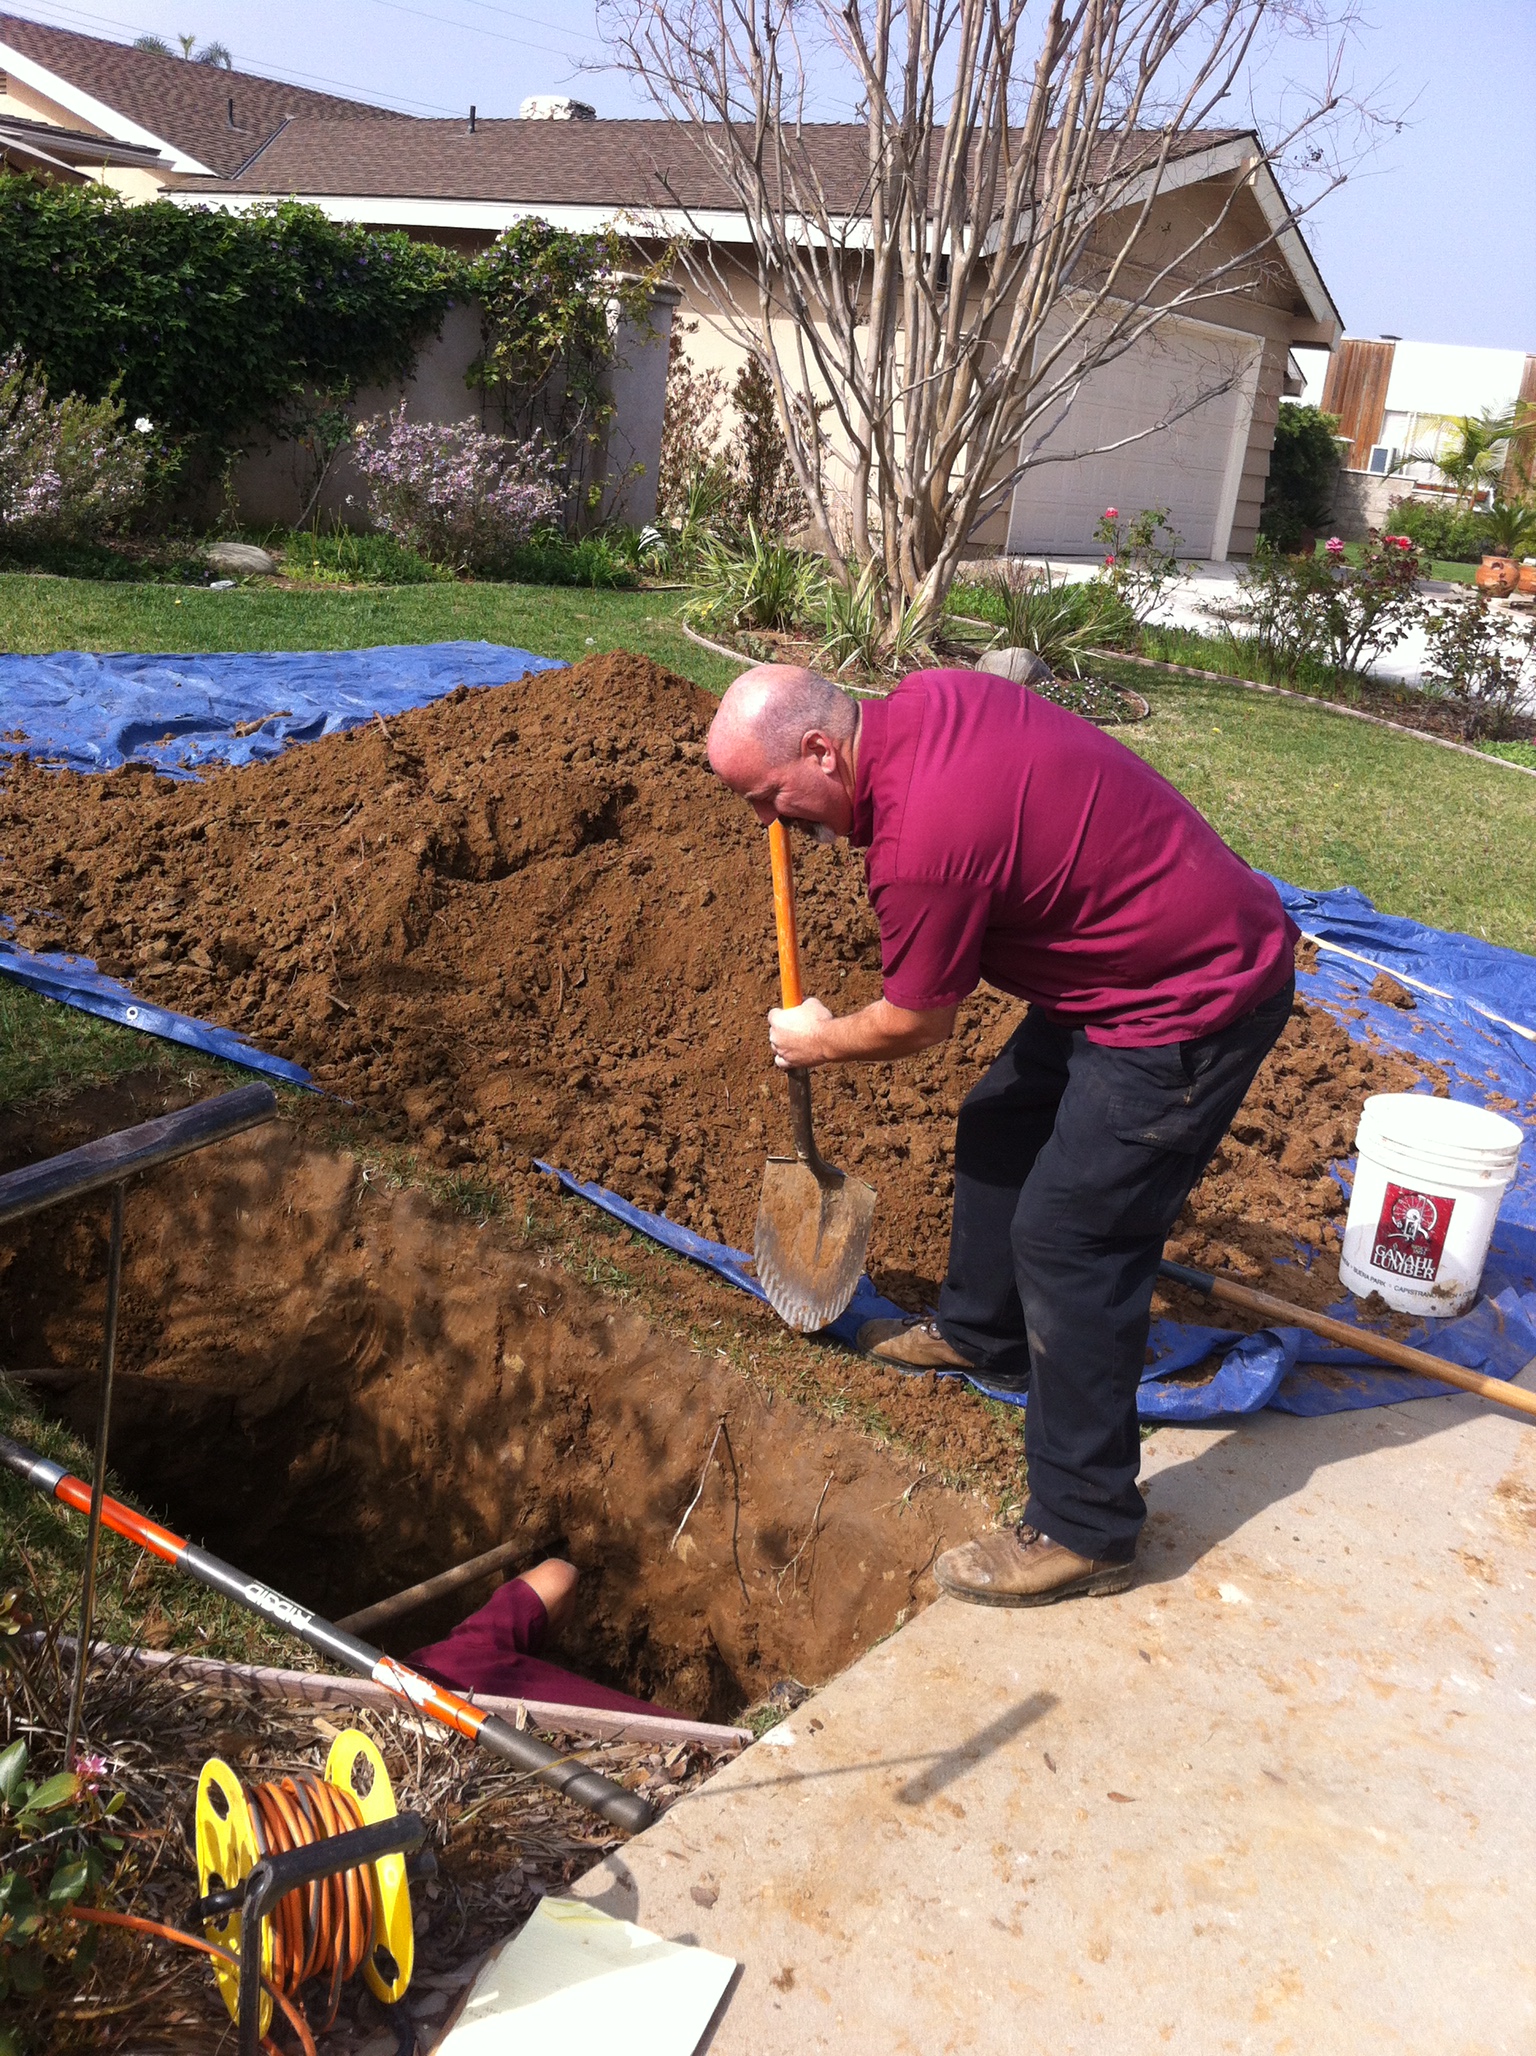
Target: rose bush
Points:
x,y
1485,666
1323,610
1138,567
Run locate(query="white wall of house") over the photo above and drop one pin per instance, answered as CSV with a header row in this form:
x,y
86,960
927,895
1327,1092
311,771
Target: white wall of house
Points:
x,y
1198,379
1428,381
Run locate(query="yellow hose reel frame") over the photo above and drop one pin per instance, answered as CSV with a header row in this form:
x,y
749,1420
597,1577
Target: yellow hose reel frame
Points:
x,y
228,1851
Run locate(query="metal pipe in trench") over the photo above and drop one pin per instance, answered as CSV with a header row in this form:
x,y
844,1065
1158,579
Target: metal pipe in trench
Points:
x,y
525,1752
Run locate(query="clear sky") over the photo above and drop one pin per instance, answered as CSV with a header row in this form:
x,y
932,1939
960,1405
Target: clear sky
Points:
x,y
1432,238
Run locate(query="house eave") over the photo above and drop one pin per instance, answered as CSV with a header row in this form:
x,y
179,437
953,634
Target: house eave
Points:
x,y
1239,156
376,210
86,107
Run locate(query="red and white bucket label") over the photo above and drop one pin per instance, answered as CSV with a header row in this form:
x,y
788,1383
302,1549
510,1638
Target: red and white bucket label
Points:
x,y
1410,1236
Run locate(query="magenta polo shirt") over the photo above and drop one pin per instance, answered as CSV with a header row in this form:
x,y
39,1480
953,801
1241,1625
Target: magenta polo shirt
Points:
x,y
1014,842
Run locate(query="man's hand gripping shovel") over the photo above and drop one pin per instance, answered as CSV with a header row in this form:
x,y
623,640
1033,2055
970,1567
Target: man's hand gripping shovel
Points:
x,y
813,1220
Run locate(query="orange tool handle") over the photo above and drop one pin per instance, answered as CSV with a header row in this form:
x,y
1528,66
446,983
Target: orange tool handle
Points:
x,y
784,914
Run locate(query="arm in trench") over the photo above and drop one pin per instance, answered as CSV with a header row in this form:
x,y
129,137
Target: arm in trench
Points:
x,y
810,1034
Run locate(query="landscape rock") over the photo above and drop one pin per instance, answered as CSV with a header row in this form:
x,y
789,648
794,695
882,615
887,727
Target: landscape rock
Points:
x,y
1022,666
246,560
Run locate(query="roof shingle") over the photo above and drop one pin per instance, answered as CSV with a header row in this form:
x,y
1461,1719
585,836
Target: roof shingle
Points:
x,y
619,164
185,103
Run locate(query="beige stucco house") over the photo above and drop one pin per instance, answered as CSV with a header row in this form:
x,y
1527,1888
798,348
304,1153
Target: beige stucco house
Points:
x,y
230,140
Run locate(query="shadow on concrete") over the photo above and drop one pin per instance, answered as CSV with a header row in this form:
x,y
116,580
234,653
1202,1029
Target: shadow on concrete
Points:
x,y
941,1767
1255,1463
954,1763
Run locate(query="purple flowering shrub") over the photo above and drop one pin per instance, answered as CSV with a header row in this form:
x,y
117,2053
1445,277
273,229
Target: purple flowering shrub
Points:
x,y
68,469
453,492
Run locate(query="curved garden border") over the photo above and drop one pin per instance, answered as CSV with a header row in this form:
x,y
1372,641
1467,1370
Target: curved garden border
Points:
x,y
1144,706
1284,692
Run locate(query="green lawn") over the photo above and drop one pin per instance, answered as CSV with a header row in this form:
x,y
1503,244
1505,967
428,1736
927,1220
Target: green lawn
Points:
x,y
1321,800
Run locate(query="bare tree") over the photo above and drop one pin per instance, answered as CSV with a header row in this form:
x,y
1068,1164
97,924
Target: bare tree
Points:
x,y
937,283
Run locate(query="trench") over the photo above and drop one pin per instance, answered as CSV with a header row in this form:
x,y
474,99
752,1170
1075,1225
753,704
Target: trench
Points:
x,y
343,1388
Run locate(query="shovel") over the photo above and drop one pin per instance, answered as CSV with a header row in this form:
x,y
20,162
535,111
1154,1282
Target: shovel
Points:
x,y
813,1220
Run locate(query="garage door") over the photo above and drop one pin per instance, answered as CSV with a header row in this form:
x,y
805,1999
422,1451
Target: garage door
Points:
x,y
1192,466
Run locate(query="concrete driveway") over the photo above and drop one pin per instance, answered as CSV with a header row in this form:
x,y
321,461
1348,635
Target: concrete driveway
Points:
x,y
1276,1798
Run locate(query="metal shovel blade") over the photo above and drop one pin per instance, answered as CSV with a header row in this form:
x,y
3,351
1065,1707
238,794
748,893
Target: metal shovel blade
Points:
x,y
813,1226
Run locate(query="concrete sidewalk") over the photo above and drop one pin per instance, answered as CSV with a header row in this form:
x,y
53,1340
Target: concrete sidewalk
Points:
x,y
1202,590
1275,1798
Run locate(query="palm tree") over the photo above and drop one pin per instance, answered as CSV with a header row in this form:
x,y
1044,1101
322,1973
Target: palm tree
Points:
x,y
1511,527
1472,447
211,53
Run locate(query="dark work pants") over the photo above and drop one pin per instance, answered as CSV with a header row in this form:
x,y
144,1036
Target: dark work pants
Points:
x,y
1072,1163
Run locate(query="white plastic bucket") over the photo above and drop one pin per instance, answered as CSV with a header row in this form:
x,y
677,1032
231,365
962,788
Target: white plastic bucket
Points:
x,y
1430,1179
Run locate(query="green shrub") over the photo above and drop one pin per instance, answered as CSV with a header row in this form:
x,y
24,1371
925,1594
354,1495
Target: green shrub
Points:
x,y
1480,667
864,632
549,558
1442,531
1060,623
763,584
215,326
1302,468
70,469
347,557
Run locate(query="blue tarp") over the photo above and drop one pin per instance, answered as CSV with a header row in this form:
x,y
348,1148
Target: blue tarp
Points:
x,y
90,713
76,982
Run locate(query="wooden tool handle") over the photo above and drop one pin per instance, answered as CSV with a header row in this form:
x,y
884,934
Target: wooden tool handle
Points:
x,y
784,914
1399,1353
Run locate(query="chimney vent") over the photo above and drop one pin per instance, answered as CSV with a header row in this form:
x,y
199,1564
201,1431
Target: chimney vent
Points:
x,y
231,110
555,107
471,117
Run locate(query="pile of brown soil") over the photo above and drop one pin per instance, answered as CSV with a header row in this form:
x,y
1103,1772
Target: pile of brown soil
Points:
x,y
528,922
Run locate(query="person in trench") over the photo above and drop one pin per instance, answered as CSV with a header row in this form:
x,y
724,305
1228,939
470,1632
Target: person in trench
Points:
x,y
1010,841
495,1650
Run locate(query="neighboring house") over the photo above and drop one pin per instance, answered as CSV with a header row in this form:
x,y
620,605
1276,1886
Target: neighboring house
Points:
x,y
186,118
79,157
1393,398
236,141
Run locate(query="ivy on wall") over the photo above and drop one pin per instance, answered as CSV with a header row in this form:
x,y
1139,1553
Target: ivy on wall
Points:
x,y
224,328
551,302
216,326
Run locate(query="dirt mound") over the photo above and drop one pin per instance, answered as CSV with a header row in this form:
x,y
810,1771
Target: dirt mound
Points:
x,y
528,922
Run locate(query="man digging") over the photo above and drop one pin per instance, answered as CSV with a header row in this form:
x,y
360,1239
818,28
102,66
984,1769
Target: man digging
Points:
x,y
1010,841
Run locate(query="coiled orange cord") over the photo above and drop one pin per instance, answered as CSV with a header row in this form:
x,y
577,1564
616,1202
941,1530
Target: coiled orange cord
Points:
x,y
323,1929
319,1930
101,1916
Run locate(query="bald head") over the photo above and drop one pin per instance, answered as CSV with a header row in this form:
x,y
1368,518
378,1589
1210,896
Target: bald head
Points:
x,y
769,712
785,739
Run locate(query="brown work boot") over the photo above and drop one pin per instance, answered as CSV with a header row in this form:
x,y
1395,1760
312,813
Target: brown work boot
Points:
x,y
914,1345
1021,1567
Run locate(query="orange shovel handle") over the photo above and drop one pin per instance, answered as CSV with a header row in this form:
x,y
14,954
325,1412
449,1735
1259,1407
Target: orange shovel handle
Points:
x,y
784,914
